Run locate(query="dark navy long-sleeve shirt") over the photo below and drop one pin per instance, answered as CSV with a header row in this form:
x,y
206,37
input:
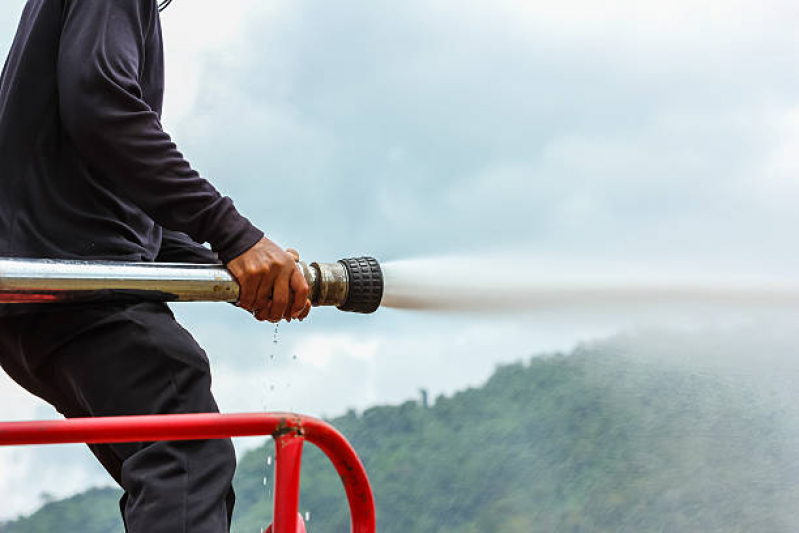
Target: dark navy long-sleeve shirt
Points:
x,y
86,170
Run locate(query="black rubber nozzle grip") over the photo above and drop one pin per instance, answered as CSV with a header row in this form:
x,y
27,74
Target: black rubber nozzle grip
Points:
x,y
365,285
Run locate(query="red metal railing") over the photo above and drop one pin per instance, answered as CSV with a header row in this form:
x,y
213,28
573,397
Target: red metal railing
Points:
x,y
290,431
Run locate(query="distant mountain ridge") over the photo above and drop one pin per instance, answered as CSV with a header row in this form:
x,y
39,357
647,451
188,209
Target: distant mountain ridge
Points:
x,y
601,440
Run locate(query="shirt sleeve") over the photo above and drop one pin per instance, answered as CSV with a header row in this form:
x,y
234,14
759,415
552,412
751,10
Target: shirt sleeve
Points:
x,y
120,137
177,247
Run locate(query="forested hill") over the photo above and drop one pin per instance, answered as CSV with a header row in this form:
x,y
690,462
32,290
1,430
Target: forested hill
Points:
x,y
600,440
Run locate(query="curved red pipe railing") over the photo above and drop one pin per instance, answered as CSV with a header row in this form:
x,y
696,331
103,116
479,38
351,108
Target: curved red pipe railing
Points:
x,y
289,431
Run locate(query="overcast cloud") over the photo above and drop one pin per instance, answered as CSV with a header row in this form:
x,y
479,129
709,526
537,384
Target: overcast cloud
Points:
x,y
613,130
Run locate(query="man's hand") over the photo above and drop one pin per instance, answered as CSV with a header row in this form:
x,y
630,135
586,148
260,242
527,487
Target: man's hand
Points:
x,y
271,284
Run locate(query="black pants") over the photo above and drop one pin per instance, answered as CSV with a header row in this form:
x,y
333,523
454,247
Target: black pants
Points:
x,y
130,360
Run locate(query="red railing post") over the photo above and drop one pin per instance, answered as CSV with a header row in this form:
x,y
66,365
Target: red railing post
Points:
x,y
288,460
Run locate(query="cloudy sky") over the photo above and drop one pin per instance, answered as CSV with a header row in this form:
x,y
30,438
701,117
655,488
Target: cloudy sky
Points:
x,y
496,132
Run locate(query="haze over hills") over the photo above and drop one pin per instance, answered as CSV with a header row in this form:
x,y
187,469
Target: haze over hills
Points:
x,y
615,436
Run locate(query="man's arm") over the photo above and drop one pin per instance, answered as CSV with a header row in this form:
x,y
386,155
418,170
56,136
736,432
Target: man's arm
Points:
x,y
120,137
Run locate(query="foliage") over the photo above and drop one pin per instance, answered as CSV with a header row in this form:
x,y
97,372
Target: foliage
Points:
x,y
594,442
96,510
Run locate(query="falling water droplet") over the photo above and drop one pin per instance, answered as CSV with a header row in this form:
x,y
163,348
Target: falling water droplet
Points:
x,y
264,481
307,516
269,460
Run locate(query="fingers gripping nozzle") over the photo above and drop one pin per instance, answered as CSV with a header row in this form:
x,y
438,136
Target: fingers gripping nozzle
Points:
x,y
354,284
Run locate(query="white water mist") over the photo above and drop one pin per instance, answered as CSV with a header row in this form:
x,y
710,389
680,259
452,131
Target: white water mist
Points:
x,y
527,284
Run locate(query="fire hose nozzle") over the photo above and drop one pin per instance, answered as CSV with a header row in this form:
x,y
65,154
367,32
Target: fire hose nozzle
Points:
x,y
354,284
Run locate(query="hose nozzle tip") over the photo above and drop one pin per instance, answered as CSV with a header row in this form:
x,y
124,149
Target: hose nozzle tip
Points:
x,y
365,280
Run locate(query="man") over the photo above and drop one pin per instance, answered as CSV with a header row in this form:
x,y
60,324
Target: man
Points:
x,y
86,172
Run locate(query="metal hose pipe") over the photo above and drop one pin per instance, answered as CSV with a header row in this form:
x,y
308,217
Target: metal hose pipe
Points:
x,y
354,284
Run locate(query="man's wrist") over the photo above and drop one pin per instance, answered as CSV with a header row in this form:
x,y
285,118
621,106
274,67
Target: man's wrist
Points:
x,y
246,239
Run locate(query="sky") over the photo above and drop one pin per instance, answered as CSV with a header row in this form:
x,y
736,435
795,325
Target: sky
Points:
x,y
499,133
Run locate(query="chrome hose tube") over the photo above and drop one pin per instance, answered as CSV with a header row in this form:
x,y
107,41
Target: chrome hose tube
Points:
x,y
354,285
